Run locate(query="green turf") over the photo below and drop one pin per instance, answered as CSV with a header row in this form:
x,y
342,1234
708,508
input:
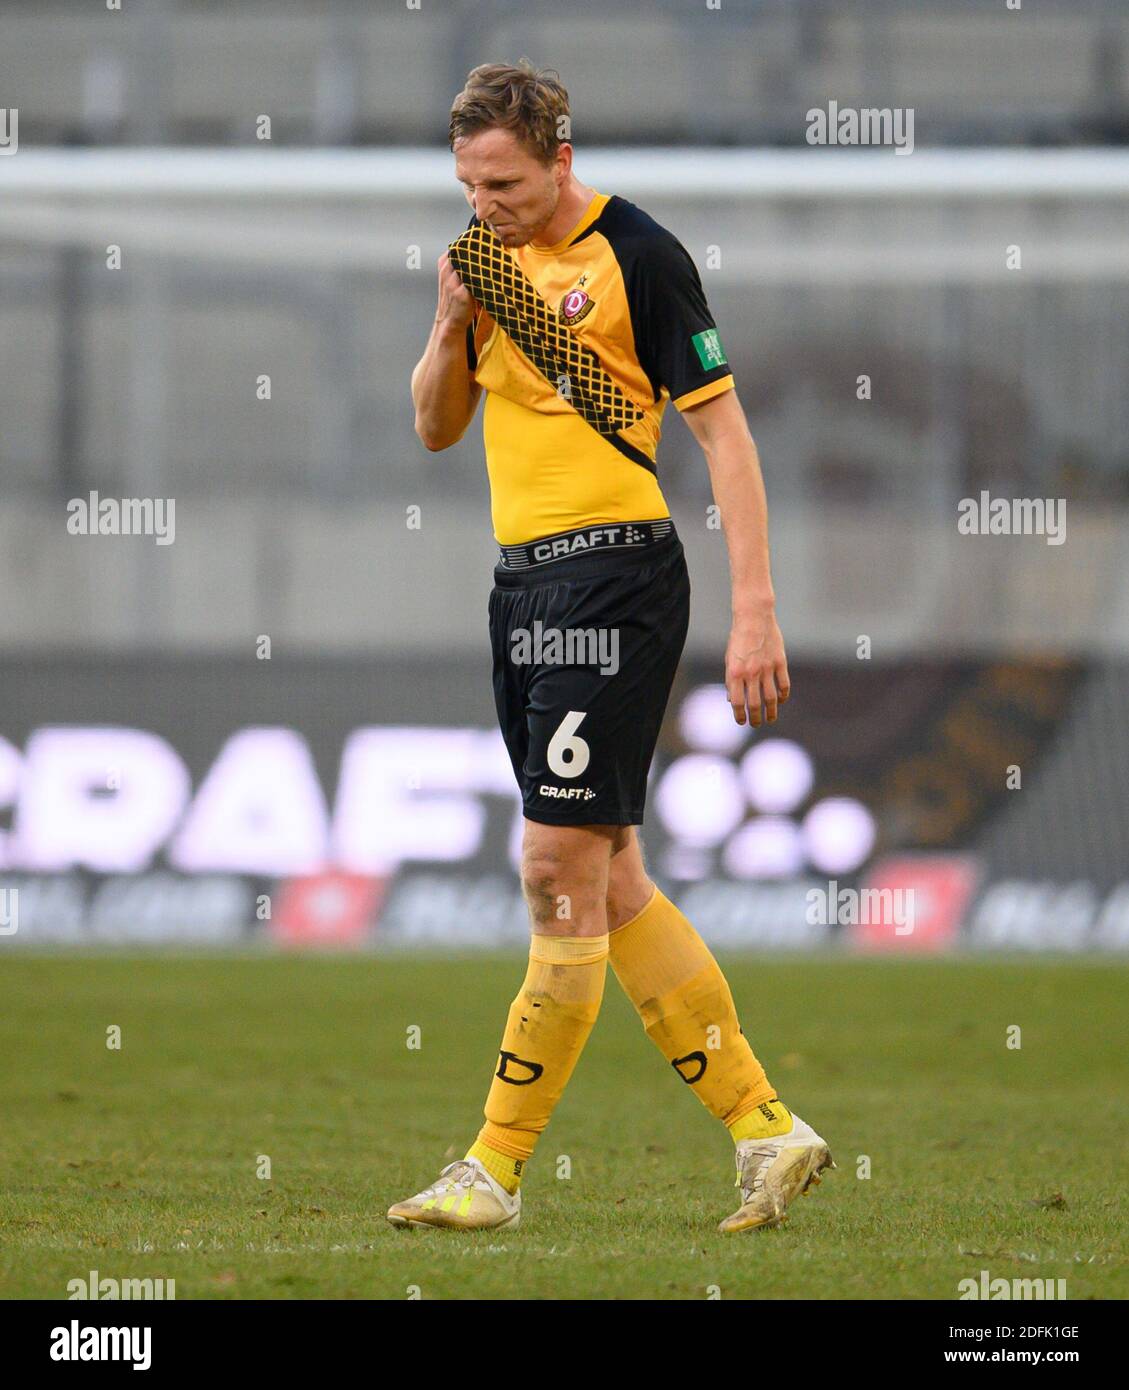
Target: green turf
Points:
x,y
142,1162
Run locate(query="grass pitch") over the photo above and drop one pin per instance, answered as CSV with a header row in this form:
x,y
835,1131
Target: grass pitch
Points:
x,y
142,1162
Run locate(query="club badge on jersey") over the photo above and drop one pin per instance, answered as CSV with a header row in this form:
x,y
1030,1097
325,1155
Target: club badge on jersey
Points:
x,y
576,305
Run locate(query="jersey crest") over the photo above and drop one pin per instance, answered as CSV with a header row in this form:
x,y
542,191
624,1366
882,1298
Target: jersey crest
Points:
x,y
576,305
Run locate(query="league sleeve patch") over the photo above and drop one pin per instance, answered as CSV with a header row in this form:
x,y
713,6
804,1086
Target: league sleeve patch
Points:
x,y
707,345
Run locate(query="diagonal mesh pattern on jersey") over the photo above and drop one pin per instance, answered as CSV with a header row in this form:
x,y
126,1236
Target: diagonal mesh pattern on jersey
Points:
x,y
499,284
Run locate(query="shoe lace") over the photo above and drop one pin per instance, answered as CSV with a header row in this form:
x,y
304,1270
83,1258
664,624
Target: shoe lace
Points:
x,y
751,1171
461,1173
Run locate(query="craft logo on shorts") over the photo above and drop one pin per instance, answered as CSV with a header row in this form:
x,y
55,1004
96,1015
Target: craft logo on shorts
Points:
x,y
566,793
576,305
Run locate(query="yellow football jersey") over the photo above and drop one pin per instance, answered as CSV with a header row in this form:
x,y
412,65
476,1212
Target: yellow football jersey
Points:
x,y
578,347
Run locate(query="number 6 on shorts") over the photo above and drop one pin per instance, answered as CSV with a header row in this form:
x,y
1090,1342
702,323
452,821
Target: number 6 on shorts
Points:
x,y
568,753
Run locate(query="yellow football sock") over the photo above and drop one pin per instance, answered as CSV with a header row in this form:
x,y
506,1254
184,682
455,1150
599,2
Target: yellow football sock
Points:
x,y
547,1028
669,974
769,1119
504,1170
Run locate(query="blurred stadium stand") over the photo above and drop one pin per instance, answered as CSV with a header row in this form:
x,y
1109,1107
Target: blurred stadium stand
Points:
x,y
643,71
318,269
311,258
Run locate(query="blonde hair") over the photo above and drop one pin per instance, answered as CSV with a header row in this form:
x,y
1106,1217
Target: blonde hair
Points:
x,y
529,101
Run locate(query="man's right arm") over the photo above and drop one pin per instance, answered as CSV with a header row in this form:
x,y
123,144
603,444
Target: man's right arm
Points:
x,y
444,392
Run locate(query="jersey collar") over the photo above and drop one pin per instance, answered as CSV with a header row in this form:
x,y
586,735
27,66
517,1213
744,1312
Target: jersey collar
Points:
x,y
593,210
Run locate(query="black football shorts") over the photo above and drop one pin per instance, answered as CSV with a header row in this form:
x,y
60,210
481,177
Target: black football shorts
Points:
x,y
587,629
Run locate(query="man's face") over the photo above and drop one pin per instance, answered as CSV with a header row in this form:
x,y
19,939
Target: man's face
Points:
x,y
507,185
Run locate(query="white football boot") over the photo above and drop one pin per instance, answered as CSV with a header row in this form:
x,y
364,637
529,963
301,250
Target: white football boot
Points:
x,y
465,1198
770,1172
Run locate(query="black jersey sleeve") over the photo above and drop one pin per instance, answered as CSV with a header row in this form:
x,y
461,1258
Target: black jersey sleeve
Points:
x,y
681,348
676,338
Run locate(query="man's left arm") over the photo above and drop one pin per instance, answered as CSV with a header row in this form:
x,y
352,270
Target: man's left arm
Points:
x,y
756,668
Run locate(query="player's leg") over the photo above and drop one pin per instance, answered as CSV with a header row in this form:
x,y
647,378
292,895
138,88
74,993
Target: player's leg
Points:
x,y
670,975
629,886
564,875
679,991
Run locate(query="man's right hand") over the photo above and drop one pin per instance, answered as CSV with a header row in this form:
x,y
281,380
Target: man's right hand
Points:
x,y
456,303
